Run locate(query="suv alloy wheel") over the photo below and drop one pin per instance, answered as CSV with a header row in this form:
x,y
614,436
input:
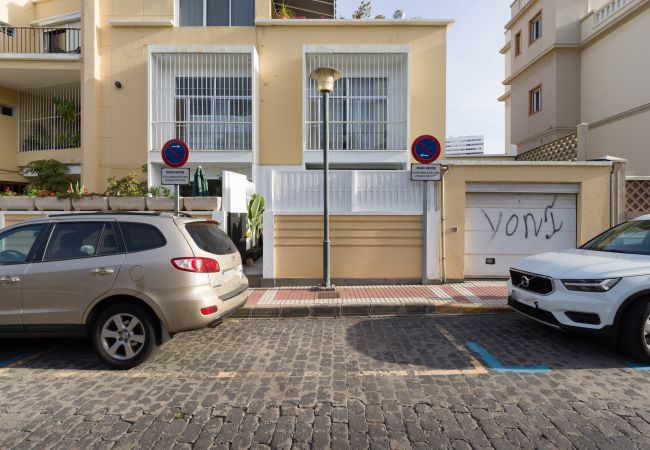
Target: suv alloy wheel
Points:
x,y
123,335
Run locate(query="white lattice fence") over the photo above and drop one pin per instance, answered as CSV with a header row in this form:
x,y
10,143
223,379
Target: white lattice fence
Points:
x,y
563,149
637,197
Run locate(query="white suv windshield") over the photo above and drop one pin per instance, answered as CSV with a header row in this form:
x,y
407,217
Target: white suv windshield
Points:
x,y
630,237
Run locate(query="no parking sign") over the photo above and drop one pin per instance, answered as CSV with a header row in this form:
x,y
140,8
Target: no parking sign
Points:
x,y
426,149
175,153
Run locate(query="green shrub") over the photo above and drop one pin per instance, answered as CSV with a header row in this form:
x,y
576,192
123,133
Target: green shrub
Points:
x,y
50,175
127,186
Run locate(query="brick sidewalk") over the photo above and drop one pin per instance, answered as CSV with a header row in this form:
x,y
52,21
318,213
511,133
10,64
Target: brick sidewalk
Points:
x,y
470,296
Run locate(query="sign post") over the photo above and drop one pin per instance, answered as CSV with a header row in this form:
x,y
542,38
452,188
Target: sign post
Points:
x,y
425,150
175,154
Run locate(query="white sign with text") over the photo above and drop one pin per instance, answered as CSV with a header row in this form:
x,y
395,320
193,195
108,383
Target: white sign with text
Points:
x,y
171,176
426,172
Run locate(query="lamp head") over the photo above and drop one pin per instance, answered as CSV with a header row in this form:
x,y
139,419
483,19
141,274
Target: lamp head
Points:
x,y
325,78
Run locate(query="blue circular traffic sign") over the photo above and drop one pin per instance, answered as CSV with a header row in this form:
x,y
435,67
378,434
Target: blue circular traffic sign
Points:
x,y
426,149
175,153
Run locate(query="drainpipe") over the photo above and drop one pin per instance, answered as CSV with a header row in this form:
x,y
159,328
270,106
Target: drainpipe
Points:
x,y
613,207
443,250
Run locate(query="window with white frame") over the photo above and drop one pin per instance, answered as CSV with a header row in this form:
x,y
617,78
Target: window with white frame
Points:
x,y
535,100
205,99
368,107
198,13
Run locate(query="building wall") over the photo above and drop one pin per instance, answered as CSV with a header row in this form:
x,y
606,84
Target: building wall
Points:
x,y
123,56
628,138
281,80
530,52
9,135
524,125
610,91
22,13
363,247
52,8
616,103
567,81
593,207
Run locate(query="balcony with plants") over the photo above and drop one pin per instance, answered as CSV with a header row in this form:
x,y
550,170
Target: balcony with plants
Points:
x,y
50,118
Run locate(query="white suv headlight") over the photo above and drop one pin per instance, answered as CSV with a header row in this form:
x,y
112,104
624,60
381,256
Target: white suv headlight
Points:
x,y
601,285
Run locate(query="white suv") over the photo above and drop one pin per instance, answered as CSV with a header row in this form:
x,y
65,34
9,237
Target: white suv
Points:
x,y
602,287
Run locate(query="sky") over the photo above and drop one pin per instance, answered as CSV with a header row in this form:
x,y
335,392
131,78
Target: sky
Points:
x,y
475,68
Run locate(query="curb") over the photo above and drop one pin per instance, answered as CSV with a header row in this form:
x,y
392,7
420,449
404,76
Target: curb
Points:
x,y
367,310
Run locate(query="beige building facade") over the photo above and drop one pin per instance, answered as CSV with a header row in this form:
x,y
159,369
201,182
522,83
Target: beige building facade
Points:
x,y
571,62
233,84
101,85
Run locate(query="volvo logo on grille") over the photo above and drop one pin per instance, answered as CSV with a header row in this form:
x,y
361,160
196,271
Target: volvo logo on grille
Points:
x,y
525,282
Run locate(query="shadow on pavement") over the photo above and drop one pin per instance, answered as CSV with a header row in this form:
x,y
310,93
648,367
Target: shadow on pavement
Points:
x,y
49,353
432,343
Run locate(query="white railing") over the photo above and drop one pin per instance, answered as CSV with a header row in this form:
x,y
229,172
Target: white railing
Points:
x,y
205,99
387,192
609,10
368,107
517,5
50,118
523,3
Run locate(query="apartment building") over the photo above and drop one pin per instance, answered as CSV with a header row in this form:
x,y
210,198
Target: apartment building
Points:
x,y
465,146
571,62
101,85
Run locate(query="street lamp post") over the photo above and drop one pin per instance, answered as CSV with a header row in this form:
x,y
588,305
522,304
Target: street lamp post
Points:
x,y
325,78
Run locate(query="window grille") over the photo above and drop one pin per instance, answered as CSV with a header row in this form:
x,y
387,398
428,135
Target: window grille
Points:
x,y
50,118
368,107
205,99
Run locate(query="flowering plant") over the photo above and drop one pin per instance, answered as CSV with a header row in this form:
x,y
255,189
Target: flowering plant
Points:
x,y
7,192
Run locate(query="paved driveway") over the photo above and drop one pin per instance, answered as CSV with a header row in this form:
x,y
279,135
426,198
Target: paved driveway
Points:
x,y
428,382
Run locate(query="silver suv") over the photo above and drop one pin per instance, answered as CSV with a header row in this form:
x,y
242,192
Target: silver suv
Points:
x,y
127,281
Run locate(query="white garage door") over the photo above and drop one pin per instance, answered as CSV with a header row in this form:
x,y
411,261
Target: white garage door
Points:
x,y
502,227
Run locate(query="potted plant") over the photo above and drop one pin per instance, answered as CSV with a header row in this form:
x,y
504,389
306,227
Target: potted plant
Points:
x,y
11,201
67,112
126,193
49,185
83,201
283,11
52,201
255,219
161,199
201,203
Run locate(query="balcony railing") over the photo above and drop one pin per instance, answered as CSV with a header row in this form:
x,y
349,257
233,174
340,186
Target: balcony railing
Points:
x,y
609,10
30,40
50,118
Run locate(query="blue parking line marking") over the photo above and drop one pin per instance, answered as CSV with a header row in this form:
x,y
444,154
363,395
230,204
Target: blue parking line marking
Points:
x,y
495,365
638,366
7,362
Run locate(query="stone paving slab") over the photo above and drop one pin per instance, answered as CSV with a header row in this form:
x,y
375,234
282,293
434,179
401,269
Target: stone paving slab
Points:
x,y
349,383
458,298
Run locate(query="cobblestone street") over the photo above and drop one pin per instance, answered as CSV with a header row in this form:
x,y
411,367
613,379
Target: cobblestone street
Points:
x,y
486,381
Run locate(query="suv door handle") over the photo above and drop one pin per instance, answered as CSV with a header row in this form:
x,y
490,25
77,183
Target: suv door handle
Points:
x,y
9,280
102,271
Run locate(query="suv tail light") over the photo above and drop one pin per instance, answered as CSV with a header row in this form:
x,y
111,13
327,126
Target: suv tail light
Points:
x,y
196,265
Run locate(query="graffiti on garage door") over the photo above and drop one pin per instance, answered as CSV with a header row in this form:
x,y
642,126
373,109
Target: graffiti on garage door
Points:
x,y
530,221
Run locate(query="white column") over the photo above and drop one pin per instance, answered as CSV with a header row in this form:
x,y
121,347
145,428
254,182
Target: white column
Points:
x,y
222,218
268,266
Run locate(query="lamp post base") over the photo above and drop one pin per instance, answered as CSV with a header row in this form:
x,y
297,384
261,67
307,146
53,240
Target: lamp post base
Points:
x,y
330,288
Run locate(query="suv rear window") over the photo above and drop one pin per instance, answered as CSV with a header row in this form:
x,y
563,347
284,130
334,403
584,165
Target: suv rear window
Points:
x,y
209,237
140,236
